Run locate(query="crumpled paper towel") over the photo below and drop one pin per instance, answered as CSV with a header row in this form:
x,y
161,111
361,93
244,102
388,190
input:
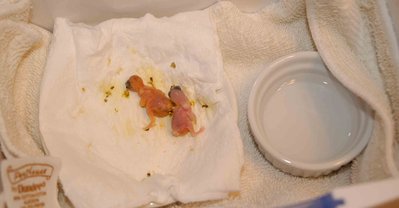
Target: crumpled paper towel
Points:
x,y
251,41
87,120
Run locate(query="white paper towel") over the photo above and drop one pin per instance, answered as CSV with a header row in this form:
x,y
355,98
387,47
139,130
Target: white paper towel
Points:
x,y
103,135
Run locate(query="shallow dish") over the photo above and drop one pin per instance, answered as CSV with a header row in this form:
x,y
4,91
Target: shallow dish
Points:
x,y
303,120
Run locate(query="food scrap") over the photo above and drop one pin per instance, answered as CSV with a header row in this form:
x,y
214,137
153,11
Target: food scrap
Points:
x,y
108,93
153,100
183,119
151,82
173,65
126,93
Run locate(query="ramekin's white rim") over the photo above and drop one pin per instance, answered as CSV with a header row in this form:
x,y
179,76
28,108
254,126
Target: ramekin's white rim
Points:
x,y
279,160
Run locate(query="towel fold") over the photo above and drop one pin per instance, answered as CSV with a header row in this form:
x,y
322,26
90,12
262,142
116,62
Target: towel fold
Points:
x,y
355,47
22,56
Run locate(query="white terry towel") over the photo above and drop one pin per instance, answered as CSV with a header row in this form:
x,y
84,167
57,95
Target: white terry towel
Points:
x,y
251,41
23,50
351,33
355,47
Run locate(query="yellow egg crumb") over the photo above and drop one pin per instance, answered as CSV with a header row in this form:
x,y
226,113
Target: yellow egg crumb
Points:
x,y
126,93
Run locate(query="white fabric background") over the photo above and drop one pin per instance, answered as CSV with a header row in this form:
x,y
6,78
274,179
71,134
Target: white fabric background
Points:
x,y
248,43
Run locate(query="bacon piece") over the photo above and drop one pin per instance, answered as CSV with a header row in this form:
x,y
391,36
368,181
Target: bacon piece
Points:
x,y
153,100
183,118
